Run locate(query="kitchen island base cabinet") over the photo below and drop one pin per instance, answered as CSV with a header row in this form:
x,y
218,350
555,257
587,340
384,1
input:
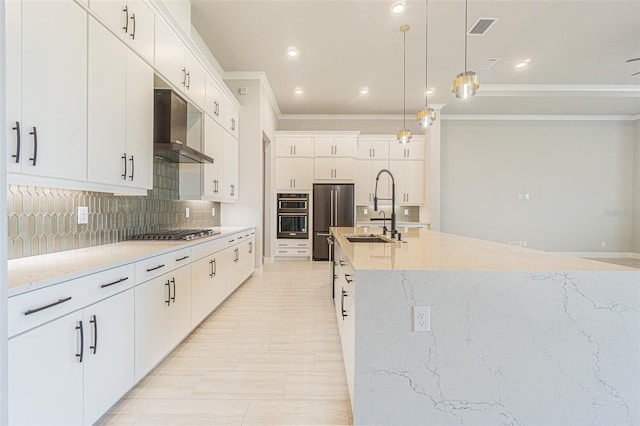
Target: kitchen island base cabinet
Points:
x,y
162,317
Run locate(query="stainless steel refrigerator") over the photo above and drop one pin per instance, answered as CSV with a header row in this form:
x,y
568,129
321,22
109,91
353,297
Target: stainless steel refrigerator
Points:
x,y
333,205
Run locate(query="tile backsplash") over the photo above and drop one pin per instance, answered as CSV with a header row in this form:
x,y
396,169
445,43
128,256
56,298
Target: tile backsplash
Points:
x,y
45,220
413,213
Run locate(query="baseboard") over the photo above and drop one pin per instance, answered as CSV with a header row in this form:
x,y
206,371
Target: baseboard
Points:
x,y
602,254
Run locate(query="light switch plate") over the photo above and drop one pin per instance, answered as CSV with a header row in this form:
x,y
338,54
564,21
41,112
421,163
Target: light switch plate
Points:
x,y
186,212
213,211
83,215
421,318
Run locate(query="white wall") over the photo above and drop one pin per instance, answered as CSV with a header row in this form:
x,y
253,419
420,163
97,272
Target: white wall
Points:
x,y
269,120
636,192
3,237
579,176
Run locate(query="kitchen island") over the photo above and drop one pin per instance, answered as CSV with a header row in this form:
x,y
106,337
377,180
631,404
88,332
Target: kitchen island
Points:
x,y
515,336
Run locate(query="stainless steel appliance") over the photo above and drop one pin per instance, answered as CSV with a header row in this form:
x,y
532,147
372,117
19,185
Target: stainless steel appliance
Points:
x,y
293,216
176,235
333,205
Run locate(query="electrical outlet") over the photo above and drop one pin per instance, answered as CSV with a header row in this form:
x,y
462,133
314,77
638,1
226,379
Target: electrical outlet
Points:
x,y
604,244
519,196
527,197
421,318
83,215
186,212
366,211
213,211
406,212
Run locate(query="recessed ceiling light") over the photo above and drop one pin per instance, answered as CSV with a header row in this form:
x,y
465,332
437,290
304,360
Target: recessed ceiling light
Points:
x,y
522,64
299,91
292,52
431,91
398,7
364,91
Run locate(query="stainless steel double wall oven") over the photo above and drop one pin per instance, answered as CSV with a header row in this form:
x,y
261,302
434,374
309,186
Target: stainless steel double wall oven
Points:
x,y
293,216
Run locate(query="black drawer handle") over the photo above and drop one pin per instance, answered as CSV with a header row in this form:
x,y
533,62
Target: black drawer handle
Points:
x,y
114,283
80,354
168,284
182,258
34,132
157,267
133,165
124,160
94,321
50,305
17,154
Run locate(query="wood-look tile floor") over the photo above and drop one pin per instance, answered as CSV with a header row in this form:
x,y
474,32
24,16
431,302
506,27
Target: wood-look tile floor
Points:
x,y
632,263
270,355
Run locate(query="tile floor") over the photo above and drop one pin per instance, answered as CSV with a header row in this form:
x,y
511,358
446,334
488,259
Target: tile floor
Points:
x,y
632,263
270,355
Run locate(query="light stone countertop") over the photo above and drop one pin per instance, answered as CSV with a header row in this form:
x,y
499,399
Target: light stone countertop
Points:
x,y
34,272
422,249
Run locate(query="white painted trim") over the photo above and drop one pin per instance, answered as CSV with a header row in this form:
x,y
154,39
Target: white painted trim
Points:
x,y
4,365
483,117
371,136
301,133
341,117
256,75
601,254
635,117
488,89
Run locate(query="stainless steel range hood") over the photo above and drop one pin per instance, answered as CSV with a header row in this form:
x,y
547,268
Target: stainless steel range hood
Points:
x,y
170,129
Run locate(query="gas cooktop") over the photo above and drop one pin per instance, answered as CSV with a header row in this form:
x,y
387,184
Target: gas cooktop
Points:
x,y
176,235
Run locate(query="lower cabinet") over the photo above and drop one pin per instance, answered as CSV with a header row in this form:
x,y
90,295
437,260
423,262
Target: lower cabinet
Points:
x,y
293,248
162,317
208,285
73,369
345,304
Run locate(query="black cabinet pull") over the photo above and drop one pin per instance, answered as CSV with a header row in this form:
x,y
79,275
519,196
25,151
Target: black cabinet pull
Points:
x,y
34,132
215,267
211,269
250,246
184,77
173,281
168,284
17,154
133,164
50,305
94,321
154,268
114,282
182,258
133,33
125,10
124,160
80,354
346,277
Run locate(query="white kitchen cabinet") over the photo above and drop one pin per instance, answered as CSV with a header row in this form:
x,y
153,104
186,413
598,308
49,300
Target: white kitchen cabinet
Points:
x,y
131,20
13,76
411,151
208,286
230,190
162,317
372,149
45,374
120,113
294,147
214,101
366,172
334,168
293,248
294,173
108,363
231,118
410,182
334,147
242,264
214,148
195,85
53,121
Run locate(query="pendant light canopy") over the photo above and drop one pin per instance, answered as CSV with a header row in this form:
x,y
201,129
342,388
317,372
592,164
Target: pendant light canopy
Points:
x,y
404,135
466,83
426,116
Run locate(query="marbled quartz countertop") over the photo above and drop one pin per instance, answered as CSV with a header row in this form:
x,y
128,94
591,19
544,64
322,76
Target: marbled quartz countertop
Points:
x,y
33,272
422,249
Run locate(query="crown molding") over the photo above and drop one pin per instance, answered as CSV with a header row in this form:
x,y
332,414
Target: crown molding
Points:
x,y
264,81
635,117
517,117
614,90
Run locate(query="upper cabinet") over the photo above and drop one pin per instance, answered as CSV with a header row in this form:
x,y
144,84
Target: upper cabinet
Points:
x,y
214,101
131,20
294,147
372,149
411,151
334,147
47,63
120,113
231,118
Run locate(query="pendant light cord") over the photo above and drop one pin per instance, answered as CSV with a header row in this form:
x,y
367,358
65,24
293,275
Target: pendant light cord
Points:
x,y
426,55
404,80
465,35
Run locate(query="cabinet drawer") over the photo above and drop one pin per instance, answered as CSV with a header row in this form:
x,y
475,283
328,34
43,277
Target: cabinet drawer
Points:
x,y
158,265
107,283
29,310
303,252
292,244
205,249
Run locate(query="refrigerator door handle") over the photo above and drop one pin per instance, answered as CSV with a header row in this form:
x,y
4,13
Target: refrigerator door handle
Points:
x,y
331,209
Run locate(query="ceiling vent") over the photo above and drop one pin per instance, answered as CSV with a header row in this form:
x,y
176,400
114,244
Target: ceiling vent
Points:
x,y
482,26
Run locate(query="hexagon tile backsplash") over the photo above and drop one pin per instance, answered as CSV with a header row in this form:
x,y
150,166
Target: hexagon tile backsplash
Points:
x,y
45,220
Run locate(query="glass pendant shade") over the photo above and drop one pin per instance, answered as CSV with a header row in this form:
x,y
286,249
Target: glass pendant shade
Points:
x,y
404,136
426,117
465,85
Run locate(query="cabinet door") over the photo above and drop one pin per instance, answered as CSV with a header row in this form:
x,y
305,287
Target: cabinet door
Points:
x,y
343,169
231,119
214,101
373,149
284,173
230,167
344,147
180,309
169,54
411,151
141,28
151,324
195,85
54,89
213,180
294,147
12,32
108,371
323,147
384,182
107,106
139,101
414,184
230,258
46,356
207,287
114,13
302,173
323,168
363,188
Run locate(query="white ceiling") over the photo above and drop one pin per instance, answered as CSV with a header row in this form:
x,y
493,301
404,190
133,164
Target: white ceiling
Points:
x,y
578,50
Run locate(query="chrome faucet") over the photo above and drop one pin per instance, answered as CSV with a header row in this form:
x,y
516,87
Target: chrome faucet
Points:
x,y
394,231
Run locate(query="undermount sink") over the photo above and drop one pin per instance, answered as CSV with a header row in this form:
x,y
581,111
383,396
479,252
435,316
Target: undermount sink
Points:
x,y
367,238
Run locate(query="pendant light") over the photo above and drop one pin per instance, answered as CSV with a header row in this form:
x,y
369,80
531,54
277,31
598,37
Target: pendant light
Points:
x,y
404,135
466,83
426,116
